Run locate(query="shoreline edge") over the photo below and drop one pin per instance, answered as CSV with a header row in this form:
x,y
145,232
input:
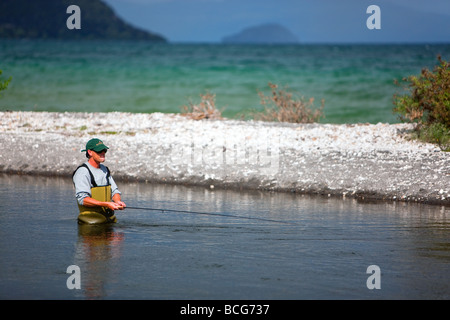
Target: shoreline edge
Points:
x,y
363,161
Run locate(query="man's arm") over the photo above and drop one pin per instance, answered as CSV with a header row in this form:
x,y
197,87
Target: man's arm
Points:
x,y
116,198
90,202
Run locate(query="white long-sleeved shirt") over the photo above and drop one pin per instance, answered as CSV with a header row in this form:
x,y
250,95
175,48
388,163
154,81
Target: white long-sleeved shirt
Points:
x,y
83,185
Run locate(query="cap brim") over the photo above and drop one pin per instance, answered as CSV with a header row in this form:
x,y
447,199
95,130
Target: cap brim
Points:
x,y
100,148
95,149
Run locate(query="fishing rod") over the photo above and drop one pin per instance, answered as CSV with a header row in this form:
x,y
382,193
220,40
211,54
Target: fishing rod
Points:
x,y
206,213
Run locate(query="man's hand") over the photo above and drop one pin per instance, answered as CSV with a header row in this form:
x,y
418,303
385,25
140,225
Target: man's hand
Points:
x,y
115,205
121,205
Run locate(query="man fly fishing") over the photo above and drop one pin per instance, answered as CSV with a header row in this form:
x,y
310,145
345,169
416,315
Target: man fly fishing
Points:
x,y
95,190
98,196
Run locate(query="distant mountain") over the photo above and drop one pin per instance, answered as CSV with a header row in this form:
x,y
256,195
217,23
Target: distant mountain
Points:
x,y
263,34
47,19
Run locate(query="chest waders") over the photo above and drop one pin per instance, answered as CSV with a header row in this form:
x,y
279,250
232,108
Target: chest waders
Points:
x,y
96,215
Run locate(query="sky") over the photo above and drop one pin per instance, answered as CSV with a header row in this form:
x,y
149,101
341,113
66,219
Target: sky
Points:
x,y
312,21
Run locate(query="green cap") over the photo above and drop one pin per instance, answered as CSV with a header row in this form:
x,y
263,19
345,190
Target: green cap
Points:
x,y
95,144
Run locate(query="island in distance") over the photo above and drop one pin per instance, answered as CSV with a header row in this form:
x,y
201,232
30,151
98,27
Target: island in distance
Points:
x,y
270,33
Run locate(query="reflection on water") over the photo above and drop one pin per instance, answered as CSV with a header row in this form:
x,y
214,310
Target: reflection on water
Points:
x,y
98,251
321,250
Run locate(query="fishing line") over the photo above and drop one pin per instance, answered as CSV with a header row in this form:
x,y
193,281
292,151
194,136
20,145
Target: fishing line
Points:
x,y
207,213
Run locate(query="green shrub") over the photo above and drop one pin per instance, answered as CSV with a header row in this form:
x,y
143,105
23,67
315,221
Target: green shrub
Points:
x,y
4,84
435,133
281,106
428,103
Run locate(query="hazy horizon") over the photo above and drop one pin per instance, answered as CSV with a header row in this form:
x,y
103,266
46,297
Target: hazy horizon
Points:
x,y
322,21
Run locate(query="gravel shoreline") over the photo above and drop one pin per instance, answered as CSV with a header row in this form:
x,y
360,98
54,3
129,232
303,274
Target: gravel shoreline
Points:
x,y
366,161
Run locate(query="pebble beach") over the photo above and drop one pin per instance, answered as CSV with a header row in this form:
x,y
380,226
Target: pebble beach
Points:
x,y
364,161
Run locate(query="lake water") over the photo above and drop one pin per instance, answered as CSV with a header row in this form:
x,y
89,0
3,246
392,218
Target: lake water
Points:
x,y
356,81
315,247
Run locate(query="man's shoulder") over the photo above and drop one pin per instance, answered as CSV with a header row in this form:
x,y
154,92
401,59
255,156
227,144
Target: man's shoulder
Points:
x,y
81,169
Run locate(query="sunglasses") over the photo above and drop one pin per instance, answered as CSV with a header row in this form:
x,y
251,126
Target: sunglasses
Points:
x,y
101,151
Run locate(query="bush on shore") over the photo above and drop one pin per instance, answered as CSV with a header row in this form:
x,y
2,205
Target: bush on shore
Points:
x,y
427,104
206,109
282,106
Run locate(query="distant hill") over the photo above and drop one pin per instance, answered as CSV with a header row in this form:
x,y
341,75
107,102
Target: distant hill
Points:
x,y
263,34
37,19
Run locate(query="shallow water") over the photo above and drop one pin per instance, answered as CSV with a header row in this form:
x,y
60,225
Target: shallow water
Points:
x,y
316,247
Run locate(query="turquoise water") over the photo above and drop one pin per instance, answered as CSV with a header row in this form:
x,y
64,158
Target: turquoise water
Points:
x,y
356,81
